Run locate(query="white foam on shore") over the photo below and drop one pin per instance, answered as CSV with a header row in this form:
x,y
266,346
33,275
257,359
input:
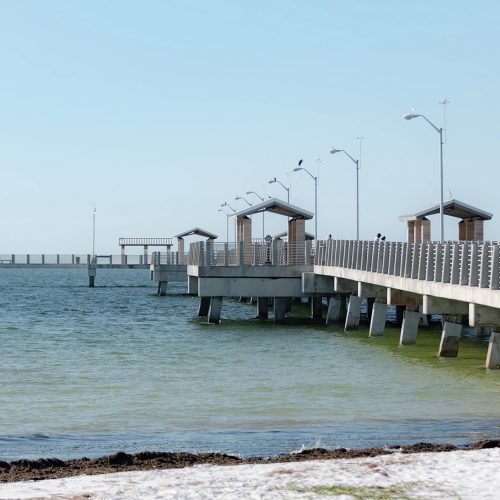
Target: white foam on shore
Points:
x,y
457,474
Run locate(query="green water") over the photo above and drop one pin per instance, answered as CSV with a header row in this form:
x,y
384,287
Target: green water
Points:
x,y
91,371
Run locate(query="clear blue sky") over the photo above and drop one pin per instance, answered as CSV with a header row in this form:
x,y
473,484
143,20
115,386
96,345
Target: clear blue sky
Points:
x,y
159,111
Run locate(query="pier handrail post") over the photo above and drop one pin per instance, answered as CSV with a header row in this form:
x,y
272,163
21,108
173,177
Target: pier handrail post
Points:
x,y
494,281
431,262
446,276
474,265
464,264
455,264
484,266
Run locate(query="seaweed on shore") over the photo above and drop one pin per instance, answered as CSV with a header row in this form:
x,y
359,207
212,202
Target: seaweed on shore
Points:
x,y
51,468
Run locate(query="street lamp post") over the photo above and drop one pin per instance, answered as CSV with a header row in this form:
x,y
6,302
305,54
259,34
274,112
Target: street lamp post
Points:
x,y
410,116
226,204
93,232
296,169
356,162
272,181
244,199
261,198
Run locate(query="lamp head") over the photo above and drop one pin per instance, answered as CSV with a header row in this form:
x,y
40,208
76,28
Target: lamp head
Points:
x,y
272,180
333,151
249,192
410,116
237,198
296,169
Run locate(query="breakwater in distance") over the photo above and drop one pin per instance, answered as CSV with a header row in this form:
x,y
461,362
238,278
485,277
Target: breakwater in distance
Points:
x,y
90,371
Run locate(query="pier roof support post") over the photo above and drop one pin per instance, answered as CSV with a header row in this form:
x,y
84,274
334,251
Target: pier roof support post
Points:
x,y
493,356
377,323
215,310
448,347
409,329
180,251
353,313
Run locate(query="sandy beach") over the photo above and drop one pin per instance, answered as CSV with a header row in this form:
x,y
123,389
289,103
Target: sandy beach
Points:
x,y
464,474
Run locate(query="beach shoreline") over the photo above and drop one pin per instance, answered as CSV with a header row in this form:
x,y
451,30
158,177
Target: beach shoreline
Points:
x,y
53,468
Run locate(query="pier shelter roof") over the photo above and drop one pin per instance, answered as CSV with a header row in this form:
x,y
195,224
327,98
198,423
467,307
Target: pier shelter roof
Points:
x,y
454,208
199,232
276,206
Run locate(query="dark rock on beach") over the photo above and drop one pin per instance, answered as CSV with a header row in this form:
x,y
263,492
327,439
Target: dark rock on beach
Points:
x,y
50,468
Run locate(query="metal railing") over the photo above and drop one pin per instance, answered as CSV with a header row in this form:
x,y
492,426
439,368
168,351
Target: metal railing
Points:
x,y
145,241
466,263
75,260
167,259
255,253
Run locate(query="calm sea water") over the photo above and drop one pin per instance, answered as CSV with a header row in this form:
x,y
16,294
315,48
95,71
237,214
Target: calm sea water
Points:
x,y
85,372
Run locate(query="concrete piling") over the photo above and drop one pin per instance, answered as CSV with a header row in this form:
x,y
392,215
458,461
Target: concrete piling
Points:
x,y
448,347
333,314
262,307
162,288
493,356
280,309
378,317
204,306
409,329
215,310
316,307
353,313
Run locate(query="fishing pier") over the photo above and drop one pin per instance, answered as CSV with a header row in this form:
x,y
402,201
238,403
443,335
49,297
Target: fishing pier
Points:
x,y
459,280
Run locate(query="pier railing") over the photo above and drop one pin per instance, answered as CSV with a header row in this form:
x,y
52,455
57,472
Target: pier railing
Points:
x,y
467,263
255,253
67,260
168,258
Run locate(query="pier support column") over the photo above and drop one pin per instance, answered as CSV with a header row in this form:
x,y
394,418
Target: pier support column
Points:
x,y
316,307
377,322
214,310
353,313
162,288
204,306
262,307
91,270
493,356
448,347
409,329
280,307
333,314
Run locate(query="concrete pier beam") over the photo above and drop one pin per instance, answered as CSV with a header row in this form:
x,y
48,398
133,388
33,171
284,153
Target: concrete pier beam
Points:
x,y
162,288
333,314
353,313
215,310
280,308
448,347
316,307
262,307
493,356
204,306
409,328
377,323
